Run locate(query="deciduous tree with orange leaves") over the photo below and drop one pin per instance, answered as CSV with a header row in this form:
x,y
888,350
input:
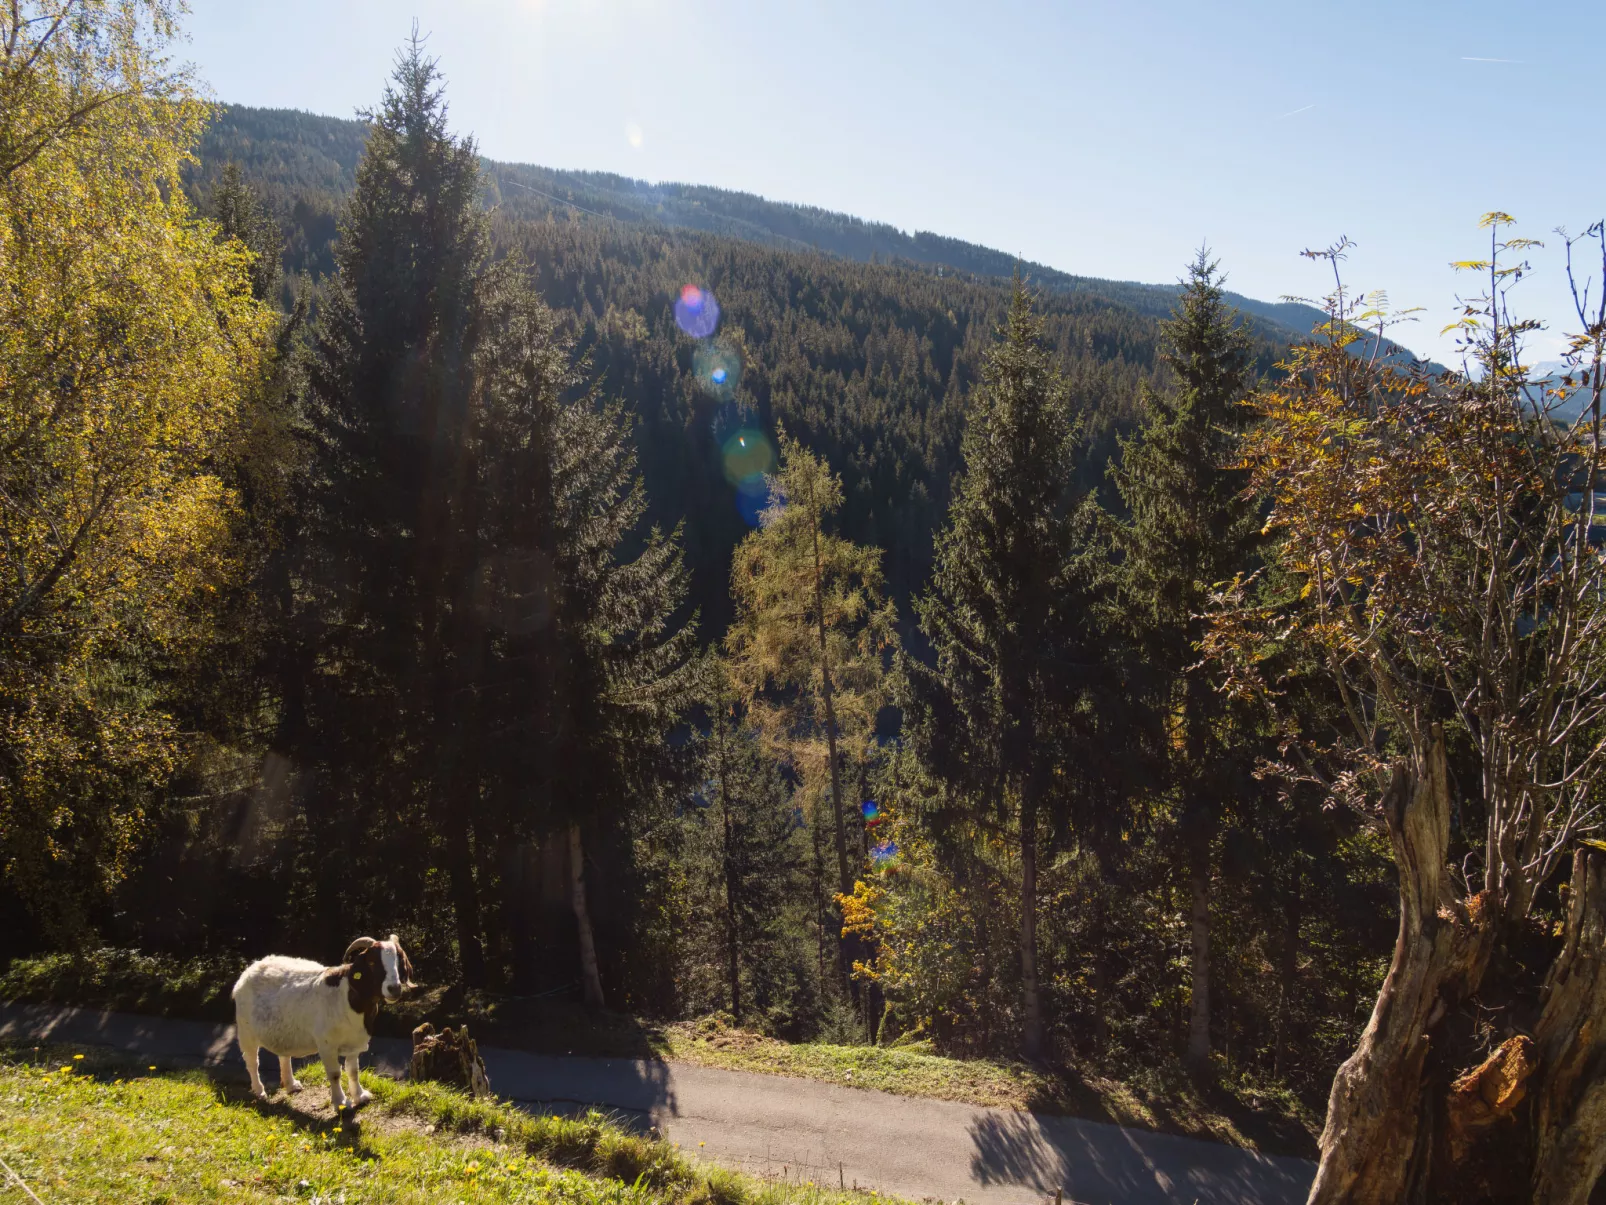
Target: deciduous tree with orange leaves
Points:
x,y
1437,543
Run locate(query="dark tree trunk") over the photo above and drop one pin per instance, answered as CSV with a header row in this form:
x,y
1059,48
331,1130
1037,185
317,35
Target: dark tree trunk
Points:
x,y
1198,1053
1570,1099
1031,995
1287,975
1381,1116
465,899
590,976
733,964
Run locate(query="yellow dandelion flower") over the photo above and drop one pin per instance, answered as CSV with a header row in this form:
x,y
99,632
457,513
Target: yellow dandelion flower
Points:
x,y
77,1056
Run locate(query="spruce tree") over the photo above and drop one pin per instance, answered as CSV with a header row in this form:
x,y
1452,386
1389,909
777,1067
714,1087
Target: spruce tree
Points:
x,y
1192,525
593,660
1008,614
240,214
493,668
392,543
747,851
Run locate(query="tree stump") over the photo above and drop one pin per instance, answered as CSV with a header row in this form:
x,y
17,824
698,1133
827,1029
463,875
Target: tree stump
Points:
x,y
449,1058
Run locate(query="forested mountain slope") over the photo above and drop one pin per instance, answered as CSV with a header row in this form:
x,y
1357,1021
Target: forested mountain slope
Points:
x,y
865,362
290,152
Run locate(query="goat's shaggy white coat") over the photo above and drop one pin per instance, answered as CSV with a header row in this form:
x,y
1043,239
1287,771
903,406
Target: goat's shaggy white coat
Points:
x,y
294,1008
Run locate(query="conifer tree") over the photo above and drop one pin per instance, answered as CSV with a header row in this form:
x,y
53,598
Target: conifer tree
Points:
x,y
392,538
241,215
493,668
750,853
1008,614
1192,526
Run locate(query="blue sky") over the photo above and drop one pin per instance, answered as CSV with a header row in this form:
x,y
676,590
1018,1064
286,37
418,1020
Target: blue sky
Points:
x,y
1107,139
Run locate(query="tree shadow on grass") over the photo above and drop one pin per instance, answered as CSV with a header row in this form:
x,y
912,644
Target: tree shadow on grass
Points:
x,y
1166,1100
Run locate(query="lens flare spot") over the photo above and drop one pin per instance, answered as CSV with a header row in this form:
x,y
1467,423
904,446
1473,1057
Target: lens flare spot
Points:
x,y
870,809
747,453
753,498
696,312
717,365
883,852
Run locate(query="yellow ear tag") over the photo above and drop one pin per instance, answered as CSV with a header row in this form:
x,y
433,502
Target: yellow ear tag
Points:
x,y
356,974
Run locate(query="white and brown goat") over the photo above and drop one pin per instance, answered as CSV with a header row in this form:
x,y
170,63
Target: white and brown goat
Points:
x,y
298,1008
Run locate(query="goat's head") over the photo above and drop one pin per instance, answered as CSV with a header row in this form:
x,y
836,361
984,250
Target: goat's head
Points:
x,y
379,969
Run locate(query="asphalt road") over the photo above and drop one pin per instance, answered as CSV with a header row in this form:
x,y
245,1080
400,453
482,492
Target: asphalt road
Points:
x,y
794,1128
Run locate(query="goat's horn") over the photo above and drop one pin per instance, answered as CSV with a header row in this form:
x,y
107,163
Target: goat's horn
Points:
x,y
361,946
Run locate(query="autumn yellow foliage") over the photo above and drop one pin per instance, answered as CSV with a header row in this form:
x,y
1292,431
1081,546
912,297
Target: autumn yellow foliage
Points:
x,y
128,339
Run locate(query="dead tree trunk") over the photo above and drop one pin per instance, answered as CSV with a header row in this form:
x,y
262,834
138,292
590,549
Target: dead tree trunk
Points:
x,y
1376,1145
1570,1100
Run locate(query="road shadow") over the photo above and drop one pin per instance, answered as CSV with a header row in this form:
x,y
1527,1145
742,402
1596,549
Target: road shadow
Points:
x,y
1175,1104
637,1093
1096,1164
540,1024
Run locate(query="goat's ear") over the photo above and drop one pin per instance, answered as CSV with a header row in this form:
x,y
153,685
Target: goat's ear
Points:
x,y
358,948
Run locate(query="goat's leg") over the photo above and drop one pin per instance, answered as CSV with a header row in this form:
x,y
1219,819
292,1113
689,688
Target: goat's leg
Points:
x,y
287,1075
251,1052
359,1095
331,1068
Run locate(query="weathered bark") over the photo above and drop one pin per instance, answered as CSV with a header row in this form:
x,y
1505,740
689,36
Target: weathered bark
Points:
x,y
448,1058
590,977
1198,1054
1032,1000
1376,1145
1570,1099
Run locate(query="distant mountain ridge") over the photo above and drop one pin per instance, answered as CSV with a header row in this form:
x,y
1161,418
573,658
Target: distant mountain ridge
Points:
x,y
291,152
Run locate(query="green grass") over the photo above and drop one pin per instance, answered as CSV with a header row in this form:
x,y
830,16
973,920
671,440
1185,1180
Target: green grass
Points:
x,y
1236,1110
89,1126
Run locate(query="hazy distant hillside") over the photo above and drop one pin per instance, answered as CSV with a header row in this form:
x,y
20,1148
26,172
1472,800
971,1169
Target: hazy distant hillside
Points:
x,y
291,154
867,362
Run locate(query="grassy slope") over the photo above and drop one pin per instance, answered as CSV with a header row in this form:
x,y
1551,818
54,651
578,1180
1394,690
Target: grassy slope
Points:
x,y
87,1126
1237,1112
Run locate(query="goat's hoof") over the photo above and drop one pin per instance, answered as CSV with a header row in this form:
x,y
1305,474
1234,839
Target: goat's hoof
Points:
x,y
361,1099
260,1094
294,1085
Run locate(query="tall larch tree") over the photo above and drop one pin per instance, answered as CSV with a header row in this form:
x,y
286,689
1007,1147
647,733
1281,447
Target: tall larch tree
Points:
x,y
811,634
